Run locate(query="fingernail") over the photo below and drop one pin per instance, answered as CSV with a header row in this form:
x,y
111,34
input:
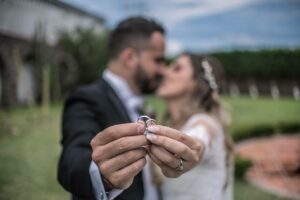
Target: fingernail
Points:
x,y
141,128
151,137
153,128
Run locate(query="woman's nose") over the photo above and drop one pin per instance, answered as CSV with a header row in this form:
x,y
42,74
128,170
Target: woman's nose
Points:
x,y
168,71
162,70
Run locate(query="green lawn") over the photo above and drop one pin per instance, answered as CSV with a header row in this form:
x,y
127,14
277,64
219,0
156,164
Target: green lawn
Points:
x,y
247,113
28,155
244,191
30,147
264,111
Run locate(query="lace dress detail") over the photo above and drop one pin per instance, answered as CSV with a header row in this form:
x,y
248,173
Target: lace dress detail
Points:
x,y
206,180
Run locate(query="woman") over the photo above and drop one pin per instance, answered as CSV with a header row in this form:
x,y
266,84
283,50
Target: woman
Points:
x,y
191,91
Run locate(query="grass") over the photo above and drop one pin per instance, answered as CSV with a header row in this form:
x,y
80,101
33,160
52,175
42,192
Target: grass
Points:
x,y
244,191
248,113
28,155
30,147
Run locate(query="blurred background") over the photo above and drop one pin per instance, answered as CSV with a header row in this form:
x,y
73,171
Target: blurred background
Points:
x,y
49,47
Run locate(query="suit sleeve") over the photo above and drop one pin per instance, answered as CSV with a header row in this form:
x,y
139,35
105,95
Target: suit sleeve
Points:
x,y
79,126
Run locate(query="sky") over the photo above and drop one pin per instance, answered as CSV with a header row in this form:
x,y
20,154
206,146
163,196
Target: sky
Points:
x,y
210,25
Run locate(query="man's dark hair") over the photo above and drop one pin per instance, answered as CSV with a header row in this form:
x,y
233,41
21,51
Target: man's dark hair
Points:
x,y
133,32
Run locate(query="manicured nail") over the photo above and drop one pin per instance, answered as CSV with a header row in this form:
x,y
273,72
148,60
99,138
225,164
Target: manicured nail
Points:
x,y
151,137
153,129
141,128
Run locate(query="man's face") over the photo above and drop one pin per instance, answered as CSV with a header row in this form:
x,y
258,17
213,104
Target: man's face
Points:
x,y
151,65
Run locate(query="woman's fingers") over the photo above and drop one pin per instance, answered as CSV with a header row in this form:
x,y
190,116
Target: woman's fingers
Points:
x,y
174,151
166,170
165,157
156,160
174,134
173,146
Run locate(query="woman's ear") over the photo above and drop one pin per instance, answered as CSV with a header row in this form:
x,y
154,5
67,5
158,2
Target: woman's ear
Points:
x,y
129,58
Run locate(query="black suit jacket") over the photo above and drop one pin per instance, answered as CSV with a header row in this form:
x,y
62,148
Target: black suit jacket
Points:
x,y
87,111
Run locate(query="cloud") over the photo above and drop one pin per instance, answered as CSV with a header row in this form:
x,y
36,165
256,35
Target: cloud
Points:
x,y
210,24
182,10
239,41
174,47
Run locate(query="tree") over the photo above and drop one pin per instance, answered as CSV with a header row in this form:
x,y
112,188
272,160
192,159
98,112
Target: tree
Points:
x,y
89,50
43,65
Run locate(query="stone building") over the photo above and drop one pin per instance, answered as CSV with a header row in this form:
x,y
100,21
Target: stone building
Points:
x,y
19,22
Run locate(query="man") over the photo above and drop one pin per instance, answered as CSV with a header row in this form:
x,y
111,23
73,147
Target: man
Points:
x,y
136,58
99,116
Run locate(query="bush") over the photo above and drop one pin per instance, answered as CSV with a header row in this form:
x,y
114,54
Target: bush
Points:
x,y
289,127
257,131
265,63
89,50
265,130
241,167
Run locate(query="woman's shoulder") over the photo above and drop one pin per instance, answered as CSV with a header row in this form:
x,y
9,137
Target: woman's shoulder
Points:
x,y
201,119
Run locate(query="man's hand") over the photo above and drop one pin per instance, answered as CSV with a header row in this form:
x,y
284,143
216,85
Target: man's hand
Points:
x,y
175,152
118,151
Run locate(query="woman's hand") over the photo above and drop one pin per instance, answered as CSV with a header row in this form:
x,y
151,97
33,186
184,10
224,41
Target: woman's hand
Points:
x,y
175,152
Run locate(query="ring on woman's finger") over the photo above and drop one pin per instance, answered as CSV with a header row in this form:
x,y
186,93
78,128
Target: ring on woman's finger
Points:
x,y
180,167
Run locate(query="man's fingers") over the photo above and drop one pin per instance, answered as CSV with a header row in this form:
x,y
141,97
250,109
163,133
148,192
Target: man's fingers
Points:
x,y
121,161
117,131
122,179
119,146
174,134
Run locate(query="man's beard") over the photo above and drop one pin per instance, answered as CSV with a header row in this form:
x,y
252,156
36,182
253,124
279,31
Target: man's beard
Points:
x,y
146,84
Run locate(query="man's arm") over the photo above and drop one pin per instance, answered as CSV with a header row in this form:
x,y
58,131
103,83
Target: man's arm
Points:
x,y
116,150
79,126
120,154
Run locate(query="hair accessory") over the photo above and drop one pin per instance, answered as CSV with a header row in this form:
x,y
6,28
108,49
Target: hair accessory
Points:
x,y
208,75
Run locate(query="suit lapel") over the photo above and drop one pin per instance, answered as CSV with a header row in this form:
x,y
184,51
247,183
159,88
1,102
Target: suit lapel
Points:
x,y
136,190
116,101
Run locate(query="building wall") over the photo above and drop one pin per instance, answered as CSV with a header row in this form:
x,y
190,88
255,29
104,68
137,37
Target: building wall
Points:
x,y
21,18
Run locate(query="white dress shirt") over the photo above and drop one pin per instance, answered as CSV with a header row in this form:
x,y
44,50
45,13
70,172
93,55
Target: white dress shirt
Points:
x,y
131,102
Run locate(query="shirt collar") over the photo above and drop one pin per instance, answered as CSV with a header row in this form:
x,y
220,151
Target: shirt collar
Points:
x,y
122,89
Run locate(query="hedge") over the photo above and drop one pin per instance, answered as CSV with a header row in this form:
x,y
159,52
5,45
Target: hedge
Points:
x,y
265,130
264,64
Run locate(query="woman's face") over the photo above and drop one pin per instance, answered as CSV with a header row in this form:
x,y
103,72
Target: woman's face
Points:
x,y
178,79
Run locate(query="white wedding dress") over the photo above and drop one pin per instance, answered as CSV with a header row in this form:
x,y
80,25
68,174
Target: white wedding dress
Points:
x,y
206,180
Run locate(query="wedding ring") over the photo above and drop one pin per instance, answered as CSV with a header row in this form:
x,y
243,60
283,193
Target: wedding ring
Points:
x,y
180,167
143,119
147,121
150,122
